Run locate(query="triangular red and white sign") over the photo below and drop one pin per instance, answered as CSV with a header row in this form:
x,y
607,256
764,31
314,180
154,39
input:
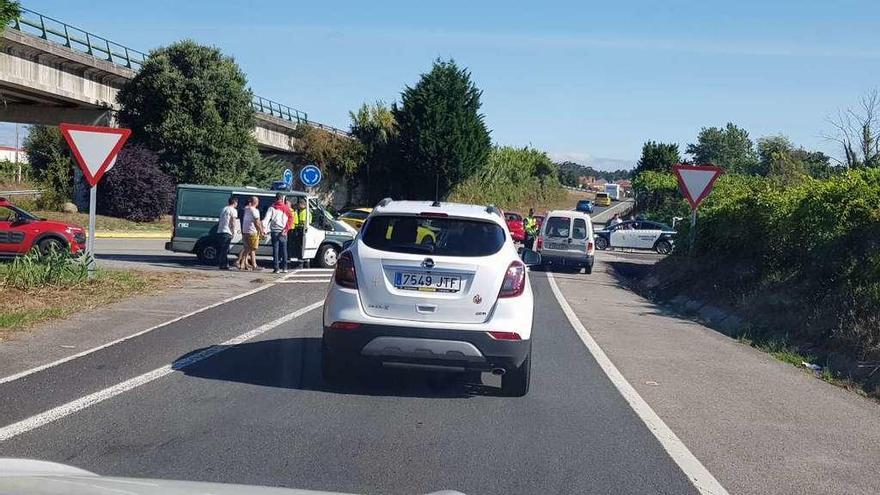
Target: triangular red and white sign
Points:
x,y
95,148
696,181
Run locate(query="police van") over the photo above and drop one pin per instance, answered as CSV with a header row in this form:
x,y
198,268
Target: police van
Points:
x,y
197,212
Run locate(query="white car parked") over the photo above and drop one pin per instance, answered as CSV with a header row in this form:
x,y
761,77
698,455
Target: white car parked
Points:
x,y
433,286
637,234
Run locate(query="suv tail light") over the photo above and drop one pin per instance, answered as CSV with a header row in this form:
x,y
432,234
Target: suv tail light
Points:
x,y
539,243
589,246
514,280
345,274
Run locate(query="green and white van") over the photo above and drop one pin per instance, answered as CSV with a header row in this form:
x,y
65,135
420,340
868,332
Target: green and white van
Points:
x,y
197,212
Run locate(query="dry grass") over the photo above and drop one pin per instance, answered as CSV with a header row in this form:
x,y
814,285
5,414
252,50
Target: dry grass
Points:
x,y
21,309
109,224
566,203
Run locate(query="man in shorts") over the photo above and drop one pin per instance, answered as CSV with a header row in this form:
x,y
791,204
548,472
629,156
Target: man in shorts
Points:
x,y
252,231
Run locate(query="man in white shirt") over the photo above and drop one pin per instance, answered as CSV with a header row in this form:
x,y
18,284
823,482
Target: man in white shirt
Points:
x,y
276,221
252,231
226,229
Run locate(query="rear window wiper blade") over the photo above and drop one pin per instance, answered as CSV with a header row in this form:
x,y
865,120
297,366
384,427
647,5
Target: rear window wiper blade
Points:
x,y
419,248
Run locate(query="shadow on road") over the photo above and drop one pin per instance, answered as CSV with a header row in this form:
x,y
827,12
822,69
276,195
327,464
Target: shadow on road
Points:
x,y
295,363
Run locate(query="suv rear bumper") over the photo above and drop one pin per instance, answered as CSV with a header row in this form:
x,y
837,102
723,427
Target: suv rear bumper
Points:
x,y
455,349
554,259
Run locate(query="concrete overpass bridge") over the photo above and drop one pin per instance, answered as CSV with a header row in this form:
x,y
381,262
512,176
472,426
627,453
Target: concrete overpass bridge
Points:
x,y
51,72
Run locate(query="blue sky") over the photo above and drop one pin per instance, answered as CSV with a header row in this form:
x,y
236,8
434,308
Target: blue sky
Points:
x,y
581,80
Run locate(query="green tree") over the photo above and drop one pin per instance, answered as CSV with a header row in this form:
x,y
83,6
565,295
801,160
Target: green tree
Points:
x,y
443,139
777,155
9,11
513,177
51,163
374,126
191,105
658,157
729,147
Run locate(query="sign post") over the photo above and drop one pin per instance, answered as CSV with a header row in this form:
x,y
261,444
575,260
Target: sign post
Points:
x,y
695,182
95,150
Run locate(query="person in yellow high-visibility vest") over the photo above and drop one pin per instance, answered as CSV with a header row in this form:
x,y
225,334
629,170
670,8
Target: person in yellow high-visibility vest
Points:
x,y
300,224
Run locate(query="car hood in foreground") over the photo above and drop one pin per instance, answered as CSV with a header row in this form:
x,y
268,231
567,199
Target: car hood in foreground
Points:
x,y
30,477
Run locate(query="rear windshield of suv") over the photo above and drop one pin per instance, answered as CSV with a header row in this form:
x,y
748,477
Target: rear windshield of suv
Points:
x,y
437,236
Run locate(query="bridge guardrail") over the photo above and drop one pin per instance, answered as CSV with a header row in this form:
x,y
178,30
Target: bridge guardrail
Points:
x,y
45,27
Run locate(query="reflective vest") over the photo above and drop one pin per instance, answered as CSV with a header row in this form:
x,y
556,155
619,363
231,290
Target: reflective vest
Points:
x,y
301,218
531,226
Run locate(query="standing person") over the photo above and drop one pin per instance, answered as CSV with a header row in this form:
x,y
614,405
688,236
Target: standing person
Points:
x,y
226,228
277,220
301,224
252,230
531,228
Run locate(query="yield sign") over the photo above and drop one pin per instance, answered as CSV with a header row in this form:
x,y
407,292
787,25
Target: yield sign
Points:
x,y
696,181
95,148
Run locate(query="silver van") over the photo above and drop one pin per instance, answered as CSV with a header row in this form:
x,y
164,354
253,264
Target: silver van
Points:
x,y
566,240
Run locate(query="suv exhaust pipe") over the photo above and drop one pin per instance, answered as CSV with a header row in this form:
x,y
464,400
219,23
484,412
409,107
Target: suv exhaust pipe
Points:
x,y
498,371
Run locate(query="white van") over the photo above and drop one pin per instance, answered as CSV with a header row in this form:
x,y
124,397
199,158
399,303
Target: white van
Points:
x,y
566,239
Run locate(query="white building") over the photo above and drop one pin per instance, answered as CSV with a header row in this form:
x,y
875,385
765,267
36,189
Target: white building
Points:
x,y
11,154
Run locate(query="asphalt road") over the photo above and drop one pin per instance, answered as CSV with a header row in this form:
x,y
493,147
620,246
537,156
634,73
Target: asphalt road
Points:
x,y
260,413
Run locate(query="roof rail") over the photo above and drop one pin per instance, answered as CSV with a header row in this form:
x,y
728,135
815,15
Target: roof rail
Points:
x,y
493,209
384,202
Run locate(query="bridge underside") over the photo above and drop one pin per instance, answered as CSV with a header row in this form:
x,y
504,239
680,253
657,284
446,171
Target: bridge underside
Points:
x,y
44,83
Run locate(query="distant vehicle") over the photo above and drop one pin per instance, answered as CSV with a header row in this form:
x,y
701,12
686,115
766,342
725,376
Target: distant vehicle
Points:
x,y
461,303
196,215
584,205
356,217
566,240
637,234
516,225
280,185
614,191
603,199
20,232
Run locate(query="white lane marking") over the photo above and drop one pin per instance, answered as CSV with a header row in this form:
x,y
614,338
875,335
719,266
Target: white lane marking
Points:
x,y
304,281
698,475
309,275
63,360
71,407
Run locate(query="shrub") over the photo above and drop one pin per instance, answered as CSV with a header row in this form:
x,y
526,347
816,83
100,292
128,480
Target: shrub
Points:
x,y
804,258
136,188
37,270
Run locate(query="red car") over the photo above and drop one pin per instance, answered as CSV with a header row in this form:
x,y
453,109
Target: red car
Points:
x,y
515,226
21,231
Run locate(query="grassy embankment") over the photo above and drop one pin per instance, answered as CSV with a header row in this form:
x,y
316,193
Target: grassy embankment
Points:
x,y
798,261
40,288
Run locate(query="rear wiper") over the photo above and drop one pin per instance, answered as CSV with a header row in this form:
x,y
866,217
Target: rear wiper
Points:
x,y
419,248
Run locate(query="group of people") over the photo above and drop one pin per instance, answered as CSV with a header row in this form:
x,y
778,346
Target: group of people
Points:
x,y
280,219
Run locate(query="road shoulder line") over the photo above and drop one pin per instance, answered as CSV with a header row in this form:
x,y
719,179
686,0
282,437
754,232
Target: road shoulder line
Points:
x,y
698,475
74,406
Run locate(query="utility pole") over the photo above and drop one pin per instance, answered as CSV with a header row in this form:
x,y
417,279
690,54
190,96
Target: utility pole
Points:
x,y
17,163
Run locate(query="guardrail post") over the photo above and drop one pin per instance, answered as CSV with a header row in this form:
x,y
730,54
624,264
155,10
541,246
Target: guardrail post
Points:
x,y
89,44
66,37
43,27
127,58
109,51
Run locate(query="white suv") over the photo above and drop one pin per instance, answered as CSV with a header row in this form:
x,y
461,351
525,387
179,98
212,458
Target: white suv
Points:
x,y
432,286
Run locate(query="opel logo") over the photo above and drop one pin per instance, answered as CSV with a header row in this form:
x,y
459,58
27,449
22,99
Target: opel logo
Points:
x,y
428,263
478,299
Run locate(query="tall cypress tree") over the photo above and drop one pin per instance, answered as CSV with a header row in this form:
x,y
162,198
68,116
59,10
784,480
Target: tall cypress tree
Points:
x,y
442,137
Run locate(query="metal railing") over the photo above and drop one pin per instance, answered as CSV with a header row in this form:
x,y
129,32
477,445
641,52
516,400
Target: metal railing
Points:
x,y
47,28
50,29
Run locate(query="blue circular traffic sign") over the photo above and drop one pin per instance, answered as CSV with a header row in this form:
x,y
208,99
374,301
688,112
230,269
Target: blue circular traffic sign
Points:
x,y
310,175
288,176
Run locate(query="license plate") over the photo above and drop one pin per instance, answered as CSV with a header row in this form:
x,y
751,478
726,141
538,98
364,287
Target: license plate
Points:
x,y
556,245
427,282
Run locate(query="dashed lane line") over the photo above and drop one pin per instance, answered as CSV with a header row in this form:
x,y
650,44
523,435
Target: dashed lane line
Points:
x,y
74,406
